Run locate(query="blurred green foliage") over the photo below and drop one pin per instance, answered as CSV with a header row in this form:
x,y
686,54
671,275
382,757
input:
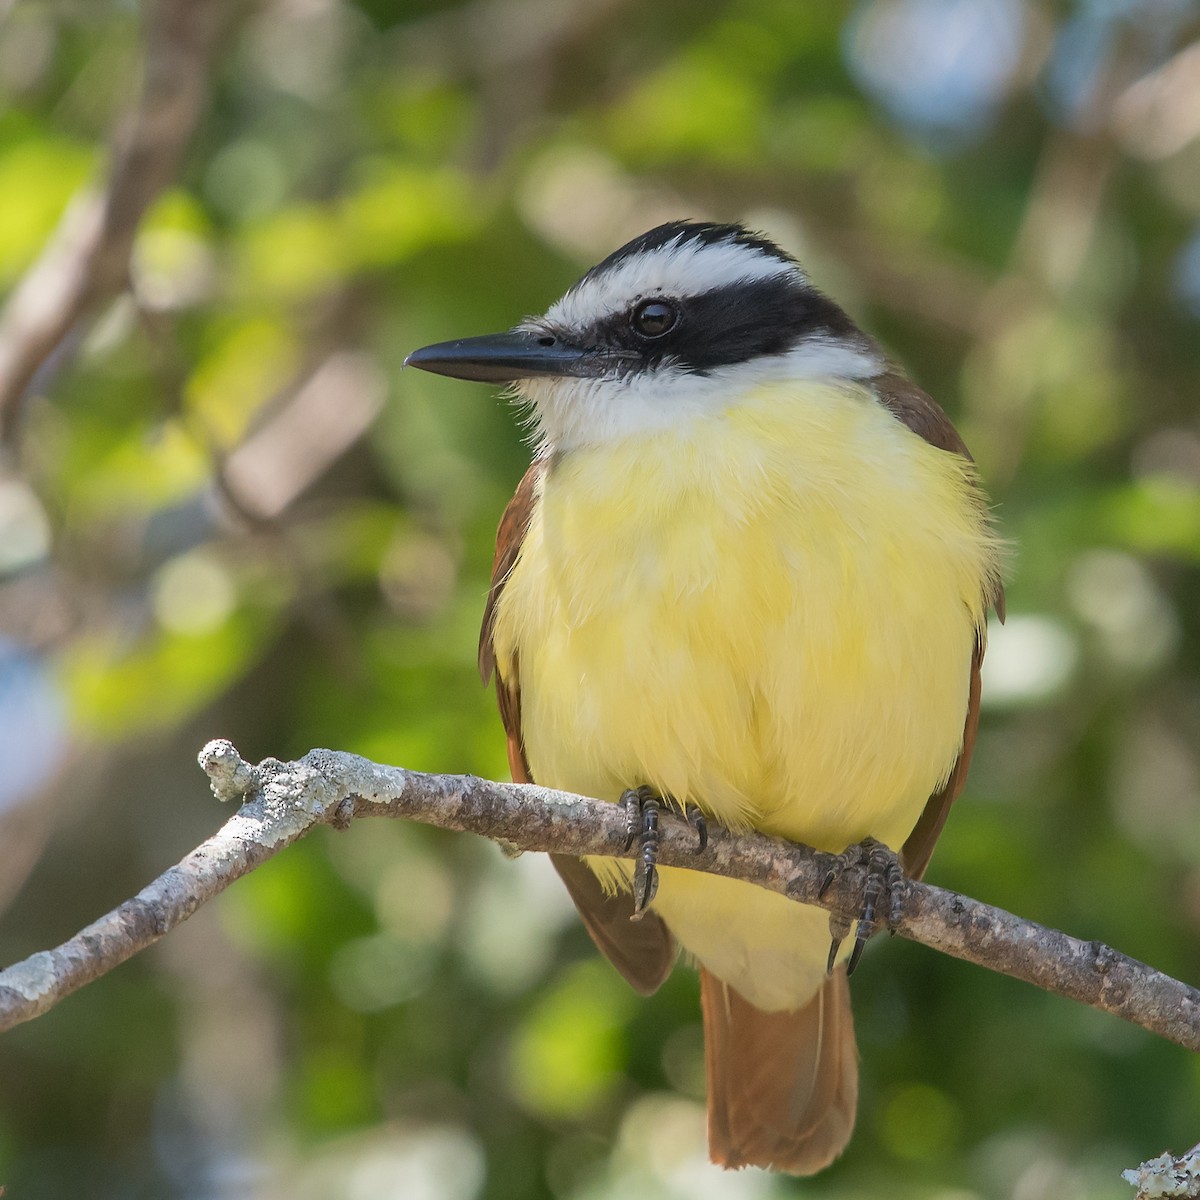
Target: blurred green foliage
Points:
x,y
227,512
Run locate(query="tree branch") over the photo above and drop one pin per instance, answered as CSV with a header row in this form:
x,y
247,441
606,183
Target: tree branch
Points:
x,y
87,260
283,801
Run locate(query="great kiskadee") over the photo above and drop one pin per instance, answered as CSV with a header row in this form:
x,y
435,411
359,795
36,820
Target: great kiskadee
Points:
x,y
747,575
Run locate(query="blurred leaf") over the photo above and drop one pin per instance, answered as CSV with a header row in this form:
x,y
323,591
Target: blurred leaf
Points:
x,y
245,367
147,469
396,210
696,107
291,255
567,1056
116,689
1157,515
38,175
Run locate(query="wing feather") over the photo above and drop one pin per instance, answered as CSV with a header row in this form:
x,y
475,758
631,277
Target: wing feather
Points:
x,y
910,405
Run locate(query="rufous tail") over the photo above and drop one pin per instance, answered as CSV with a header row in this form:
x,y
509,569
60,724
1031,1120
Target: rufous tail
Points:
x,y
782,1086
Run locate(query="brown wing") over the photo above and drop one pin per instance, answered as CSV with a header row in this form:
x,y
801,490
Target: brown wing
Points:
x,y
921,413
923,416
918,847
513,523
509,536
643,951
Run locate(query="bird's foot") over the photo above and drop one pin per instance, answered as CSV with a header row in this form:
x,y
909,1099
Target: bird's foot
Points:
x,y
642,806
880,890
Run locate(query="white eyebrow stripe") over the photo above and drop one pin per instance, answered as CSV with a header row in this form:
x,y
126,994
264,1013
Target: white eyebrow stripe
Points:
x,y
687,269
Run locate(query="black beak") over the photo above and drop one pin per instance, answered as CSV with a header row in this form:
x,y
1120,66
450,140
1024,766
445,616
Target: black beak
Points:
x,y
503,357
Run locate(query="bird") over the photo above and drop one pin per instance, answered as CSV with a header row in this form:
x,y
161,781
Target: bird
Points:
x,y
745,579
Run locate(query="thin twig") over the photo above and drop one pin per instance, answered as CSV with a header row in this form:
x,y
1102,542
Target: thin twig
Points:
x,y
283,801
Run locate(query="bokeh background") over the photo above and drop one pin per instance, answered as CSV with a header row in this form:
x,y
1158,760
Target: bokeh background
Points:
x,y
225,511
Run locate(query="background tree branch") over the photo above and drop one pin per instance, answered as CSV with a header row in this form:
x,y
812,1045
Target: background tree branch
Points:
x,y
283,801
86,262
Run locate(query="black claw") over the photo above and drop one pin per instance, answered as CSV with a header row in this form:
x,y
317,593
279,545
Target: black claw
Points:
x,y
834,945
883,877
645,888
860,942
839,927
695,818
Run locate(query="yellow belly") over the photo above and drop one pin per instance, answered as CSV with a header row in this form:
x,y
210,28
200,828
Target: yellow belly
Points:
x,y
769,613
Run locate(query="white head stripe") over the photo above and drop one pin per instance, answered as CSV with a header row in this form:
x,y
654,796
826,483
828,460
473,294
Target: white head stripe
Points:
x,y
680,268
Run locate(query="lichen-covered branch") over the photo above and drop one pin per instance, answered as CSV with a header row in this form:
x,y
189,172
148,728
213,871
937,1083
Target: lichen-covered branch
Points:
x,y
282,801
1167,1176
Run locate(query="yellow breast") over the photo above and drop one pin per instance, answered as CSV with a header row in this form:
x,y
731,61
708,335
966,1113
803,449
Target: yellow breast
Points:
x,y
769,613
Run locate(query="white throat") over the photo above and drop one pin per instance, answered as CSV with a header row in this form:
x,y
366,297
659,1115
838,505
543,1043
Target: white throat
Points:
x,y
569,413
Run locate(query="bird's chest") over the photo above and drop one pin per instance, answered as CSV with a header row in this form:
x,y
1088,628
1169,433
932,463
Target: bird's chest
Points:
x,y
735,623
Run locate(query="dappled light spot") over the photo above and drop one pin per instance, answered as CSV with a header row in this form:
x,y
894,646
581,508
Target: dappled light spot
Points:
x,y
1030,659
193,593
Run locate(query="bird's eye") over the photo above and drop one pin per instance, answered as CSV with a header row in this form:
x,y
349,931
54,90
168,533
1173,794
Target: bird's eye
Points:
x,y
653,318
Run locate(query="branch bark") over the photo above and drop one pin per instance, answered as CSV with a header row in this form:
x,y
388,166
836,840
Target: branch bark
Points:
x,y
283,801
87,260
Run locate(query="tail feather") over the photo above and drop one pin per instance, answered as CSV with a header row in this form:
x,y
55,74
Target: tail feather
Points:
x,y
782,1086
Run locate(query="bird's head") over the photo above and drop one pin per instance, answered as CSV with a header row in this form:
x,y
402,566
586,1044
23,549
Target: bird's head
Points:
x,y
678,322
